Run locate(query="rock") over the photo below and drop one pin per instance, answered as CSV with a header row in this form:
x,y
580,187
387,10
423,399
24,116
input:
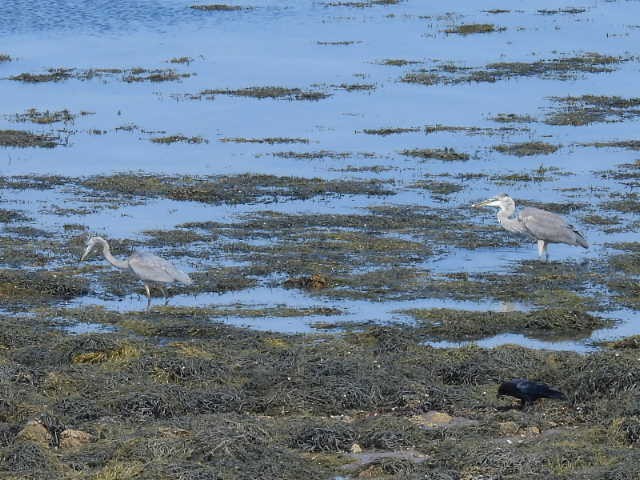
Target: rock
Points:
x,y
432,419
508,428
35,431
533,430
355,448
314,282
70,438
174,432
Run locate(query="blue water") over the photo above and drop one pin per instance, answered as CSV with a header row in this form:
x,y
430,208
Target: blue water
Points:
x,y
285,44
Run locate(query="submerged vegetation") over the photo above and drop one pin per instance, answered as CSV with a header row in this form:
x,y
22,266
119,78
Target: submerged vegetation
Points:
x,y
470,28
284,93
178,139
587,109
132,75
44,118
24,139
446,153
218,7
555,68
527,148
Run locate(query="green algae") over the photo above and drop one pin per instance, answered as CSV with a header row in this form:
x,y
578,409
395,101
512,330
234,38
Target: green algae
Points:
x,y
339,42
218,7
439,188
364,4
272,92
473,28
230,189
390,130
442,324
628,144
44,118
178,139
267,140
512,118
397,62
569,10
132,75
588,109
561,68
312,155
25,139
527,148
181,60
137,75
447,154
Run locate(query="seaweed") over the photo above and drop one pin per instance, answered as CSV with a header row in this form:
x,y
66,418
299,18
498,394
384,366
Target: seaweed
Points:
x,y
24,139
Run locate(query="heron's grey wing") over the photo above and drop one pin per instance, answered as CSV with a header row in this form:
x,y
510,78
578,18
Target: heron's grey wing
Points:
x,y
152,268
550,227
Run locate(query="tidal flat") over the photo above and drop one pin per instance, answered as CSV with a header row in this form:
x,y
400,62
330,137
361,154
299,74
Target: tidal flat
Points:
x,y
312,166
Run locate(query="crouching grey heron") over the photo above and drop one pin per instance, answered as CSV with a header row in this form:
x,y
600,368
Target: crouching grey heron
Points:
x,y
543,226
149,268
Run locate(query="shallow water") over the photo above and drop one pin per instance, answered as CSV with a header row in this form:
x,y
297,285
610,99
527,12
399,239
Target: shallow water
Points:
x,y
290,44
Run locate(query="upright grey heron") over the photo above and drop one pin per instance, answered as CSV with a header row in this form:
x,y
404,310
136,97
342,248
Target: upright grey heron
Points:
x,y
149,268
543,226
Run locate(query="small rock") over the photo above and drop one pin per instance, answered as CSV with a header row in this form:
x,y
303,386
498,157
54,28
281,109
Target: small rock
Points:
x,y
432,419
355,448
508,428
314,282
533,430
36,432
70,438
174,432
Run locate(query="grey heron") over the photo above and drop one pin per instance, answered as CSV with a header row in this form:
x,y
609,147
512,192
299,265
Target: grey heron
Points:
x,y
149,268
543,226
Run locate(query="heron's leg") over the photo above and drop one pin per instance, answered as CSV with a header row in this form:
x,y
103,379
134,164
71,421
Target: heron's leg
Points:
x,y
148,291
542,249
165,293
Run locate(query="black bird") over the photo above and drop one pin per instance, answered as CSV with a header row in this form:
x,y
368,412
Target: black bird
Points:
x,y
528,391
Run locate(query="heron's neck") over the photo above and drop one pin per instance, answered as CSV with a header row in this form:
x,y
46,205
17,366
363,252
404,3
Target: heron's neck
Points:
x,y
106,251
510,223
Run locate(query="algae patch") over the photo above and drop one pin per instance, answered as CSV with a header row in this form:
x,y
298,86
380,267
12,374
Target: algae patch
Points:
x,y
178,139
588,109
556,68
230,189
472,28
527,148
441,324
45,117
447,154
218,7
25,139
267,140
280,93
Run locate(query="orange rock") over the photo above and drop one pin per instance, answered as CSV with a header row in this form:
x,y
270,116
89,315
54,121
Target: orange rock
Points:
x,y
70,438
36,432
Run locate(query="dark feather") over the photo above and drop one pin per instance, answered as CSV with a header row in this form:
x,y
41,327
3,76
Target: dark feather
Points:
x,y
528,391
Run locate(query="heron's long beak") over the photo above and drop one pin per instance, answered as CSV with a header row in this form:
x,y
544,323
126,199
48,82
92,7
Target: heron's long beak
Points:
x,y
484,203
85,254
